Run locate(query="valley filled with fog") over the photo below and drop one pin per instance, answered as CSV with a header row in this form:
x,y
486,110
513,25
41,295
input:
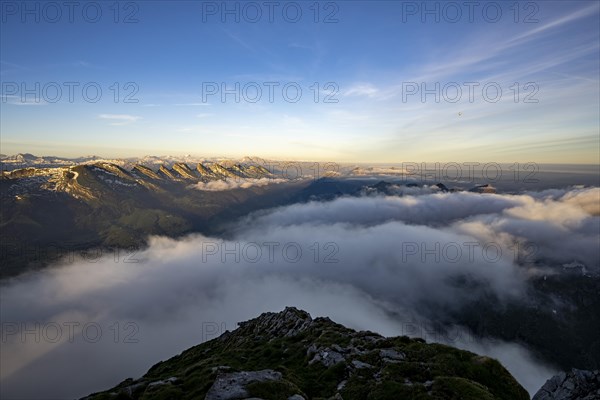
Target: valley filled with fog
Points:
x,y
398,260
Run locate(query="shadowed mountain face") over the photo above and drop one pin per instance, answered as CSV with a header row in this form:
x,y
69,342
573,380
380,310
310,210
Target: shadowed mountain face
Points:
x,y
289,355
49,212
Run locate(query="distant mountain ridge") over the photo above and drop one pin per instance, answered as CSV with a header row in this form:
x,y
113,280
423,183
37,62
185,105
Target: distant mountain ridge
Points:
x,y
89,180
24,160
99,203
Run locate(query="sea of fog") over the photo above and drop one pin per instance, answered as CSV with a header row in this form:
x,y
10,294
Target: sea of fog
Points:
x,y
370,263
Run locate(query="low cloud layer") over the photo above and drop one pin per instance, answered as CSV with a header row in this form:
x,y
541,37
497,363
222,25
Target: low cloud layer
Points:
x,y
376,263
237,183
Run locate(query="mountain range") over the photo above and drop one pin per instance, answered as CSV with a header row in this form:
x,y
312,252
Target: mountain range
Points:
x,y
47,211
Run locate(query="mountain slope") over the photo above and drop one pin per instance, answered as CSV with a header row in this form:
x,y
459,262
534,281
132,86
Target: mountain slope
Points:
x,y
289,355
49,212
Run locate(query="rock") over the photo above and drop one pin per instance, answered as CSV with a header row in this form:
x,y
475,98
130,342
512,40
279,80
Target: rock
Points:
x,y
130,390
328,358
167,381
355,351
372,338
574,385
312,349
442,187
296,397
289,322
391,355
232,386
224,336
339,349
486,188
360,365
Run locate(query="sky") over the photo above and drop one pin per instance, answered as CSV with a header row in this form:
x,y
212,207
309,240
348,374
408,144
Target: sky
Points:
x,y
342,81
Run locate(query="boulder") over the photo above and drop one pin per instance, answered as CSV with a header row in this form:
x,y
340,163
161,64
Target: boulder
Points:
x,y
574,385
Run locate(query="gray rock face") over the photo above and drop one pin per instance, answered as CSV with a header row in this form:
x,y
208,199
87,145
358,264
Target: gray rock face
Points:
x,y
574,385
132,388
327,357
361,365
163,382
232,386
391,355
290,322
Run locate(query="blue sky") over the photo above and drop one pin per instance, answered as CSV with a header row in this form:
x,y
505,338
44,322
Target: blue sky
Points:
x,y
373,59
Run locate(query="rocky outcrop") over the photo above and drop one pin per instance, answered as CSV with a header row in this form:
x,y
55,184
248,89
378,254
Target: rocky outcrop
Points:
x,y
143,171
184,171
256,171
574,385
486,188
221,172
232,386
205,173
291,356
165,172
289,322
442,187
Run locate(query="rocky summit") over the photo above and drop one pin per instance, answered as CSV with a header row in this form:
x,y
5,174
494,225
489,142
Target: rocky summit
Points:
x,y
291,356
573,385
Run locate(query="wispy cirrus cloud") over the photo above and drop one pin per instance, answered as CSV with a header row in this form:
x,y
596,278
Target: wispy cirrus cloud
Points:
x,y
120,119
365,89
22,100
191,104
490,62
594,8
